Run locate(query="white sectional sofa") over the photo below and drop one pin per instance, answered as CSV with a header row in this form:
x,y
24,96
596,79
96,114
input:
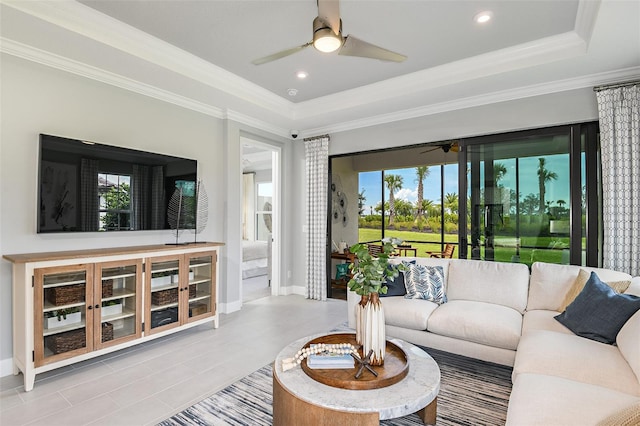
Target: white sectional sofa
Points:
x,y
502,313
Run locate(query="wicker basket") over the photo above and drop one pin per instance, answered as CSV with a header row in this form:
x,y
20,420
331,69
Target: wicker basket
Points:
x,y
196,309
192,291
65,295
68,341
164,297
107,288
107,331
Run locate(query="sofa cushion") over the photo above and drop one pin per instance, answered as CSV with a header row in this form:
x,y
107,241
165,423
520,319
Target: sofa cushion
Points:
x,y
575,358
628,342
541,400
599,312
407,313
550,283
479,322
541,319
425,282
505,284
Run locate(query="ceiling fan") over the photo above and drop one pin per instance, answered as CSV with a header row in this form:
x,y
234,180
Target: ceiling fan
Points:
x,y
446,147
327,38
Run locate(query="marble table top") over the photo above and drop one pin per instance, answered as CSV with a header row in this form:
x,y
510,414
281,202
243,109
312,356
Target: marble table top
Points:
x,y
419,388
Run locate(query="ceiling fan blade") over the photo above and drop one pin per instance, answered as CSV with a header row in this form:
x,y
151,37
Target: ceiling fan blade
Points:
x,y
355,47
329,12
280,54
430,150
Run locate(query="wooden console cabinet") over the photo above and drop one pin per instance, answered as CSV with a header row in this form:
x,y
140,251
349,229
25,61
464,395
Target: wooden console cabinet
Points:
x,y
74,305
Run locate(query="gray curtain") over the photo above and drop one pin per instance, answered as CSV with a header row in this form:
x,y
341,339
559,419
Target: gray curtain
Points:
x,y
317,177
157,205
619,115
147,197
89,195
139,197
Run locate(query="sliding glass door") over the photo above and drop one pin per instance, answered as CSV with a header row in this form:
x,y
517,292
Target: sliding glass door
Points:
x,y
526,196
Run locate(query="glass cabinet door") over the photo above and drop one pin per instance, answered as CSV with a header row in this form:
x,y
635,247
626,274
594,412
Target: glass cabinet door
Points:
x,y
202,275
162,282
62,312
118,298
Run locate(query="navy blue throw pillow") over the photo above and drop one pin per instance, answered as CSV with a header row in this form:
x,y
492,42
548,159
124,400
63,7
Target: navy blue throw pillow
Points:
x,y
599,312
395,286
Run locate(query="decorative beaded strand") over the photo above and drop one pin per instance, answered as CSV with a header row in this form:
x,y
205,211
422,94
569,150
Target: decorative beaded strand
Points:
x,y
330,348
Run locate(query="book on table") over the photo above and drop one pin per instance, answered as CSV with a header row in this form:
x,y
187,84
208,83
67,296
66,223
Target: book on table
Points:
x,y
326,360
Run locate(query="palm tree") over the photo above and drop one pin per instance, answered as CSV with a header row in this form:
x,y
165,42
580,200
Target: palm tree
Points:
x,y
421,172
499,170
544,176
394,183
451,202
361,201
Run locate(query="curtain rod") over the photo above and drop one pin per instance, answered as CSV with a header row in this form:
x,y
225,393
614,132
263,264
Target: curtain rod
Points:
x,y
317,137
615,85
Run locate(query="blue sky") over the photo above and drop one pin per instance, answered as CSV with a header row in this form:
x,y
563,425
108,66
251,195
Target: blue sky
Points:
x,y
556,190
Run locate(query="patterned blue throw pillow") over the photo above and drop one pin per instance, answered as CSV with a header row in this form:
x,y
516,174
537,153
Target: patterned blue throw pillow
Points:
x,y
425,282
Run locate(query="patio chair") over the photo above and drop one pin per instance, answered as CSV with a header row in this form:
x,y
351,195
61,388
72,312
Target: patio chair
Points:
x,y
447,253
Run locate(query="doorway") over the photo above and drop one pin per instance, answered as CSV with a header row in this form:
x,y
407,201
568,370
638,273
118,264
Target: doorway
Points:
x,y
260,220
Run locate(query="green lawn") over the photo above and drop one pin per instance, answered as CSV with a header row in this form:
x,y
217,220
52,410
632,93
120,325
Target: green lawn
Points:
x,y
533,248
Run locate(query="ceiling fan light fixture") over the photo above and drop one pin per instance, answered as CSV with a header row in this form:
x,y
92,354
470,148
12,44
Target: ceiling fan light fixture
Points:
x,y
325,40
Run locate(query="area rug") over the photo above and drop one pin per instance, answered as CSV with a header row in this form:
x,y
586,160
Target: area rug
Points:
x,y
472,392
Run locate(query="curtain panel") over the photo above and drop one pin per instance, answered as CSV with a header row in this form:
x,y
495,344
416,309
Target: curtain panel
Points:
x,y
248,206
317,176
89,194
619,116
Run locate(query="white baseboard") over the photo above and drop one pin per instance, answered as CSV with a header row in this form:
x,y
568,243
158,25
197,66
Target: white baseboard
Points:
x,y
227,308
6,367
295,289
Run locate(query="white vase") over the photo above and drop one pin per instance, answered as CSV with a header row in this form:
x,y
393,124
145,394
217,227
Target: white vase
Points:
x,y
359,312
374,337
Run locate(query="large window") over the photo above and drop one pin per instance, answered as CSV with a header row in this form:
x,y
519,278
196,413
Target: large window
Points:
x,y
523,196
264,206
114,192
418,205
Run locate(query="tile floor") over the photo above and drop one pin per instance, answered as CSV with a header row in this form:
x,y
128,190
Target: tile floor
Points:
x,y
255,288
150,382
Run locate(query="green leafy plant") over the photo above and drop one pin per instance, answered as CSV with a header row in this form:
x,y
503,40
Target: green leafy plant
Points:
x,y
61,313
369,273
112,302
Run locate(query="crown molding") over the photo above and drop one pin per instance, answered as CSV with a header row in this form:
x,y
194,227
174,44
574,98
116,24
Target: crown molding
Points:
x,y
90,23
525,55
53,60
586,18
557,86
254,122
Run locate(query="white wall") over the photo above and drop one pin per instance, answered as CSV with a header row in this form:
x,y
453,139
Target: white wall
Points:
x,y
36,99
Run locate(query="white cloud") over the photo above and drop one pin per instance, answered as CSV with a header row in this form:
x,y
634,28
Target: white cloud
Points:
x,y
407,194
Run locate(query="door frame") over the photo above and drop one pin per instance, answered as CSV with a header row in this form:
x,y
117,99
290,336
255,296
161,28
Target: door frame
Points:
x,y
276,234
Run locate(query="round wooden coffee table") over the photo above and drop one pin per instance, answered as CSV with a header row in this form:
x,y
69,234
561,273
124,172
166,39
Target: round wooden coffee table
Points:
x,y
298,399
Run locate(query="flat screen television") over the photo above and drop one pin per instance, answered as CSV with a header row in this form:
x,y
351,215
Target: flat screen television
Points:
x,y
90,187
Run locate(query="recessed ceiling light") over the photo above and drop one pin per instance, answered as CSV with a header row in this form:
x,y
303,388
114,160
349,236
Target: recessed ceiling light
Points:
x,y
302,75
483,17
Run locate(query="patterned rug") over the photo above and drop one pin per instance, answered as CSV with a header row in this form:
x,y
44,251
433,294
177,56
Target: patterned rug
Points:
x,y
472,392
